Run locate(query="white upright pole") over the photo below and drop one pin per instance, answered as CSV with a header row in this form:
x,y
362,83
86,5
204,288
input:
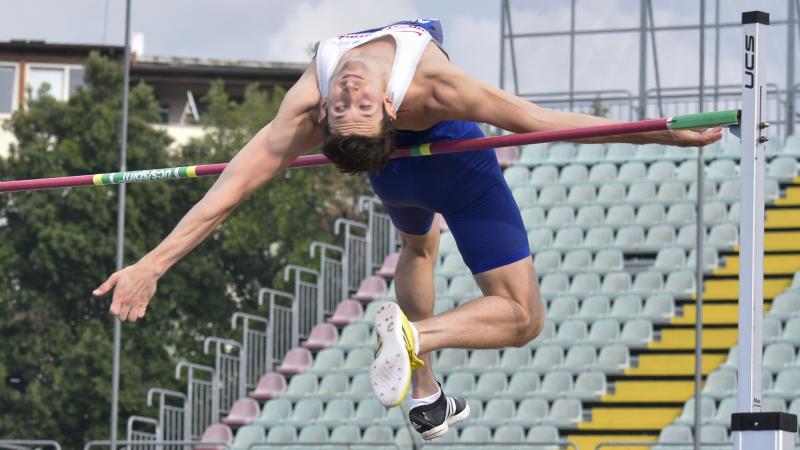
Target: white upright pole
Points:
x,y
751,429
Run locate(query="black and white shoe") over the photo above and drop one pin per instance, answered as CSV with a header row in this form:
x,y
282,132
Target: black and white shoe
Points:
x,y
434,420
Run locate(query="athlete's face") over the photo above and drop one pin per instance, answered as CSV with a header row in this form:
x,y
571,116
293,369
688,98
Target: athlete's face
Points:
x,y
356,101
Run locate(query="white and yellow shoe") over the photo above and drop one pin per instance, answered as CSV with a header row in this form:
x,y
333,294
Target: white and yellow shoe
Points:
x,y
396,356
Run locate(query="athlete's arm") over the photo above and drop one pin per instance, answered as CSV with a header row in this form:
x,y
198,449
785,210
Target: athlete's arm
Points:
x,y
457,96
292,133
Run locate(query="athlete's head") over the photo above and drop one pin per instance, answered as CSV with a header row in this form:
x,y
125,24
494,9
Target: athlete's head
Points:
x,y
357,119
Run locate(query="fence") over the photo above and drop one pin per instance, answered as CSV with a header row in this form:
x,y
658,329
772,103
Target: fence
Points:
x,y
202,407
132,445
171,417
310,309
144,437
18,444
228,370
282,324
664,445
355,253
331,270
382,237
255,344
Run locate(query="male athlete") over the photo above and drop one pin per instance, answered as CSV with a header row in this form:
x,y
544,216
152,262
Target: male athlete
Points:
x,y
362,95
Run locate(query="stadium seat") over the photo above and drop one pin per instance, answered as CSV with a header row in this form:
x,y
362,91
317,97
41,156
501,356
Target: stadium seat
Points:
x,y
680,153
613,358
459,383
554,384
720,384
514,359
778,355
715,212
516,176
773,404
327,360
378,434
626,306
659,236
715,434
725,408
562,308
580,358
581,194
475,434
658,307
565,412
354,336
630,172
573,174
358,360
554,284
509,434
787,384
661,171
620,152
709,190
589,386
525,196
647,283
297,360
681,213
542,434
453,265
369,313
576,261
641,192
620,215
590,215
791,331
311,434
337,412
331,385
722,169
530,411
498,411
649,152
792,145
389,265
271,385
729,190
560,216
687,171
451,359
489,385
462,285
603,331
707,410
248,435
785,305
616,283
608,260
360,387
442,305
630,237
783,167
561,153
305,411
345,434
602,173
546,357
281,434
302,385
216,433
598,238
570,332
669,259
547,261
322,336
347,312
367,411
687,236
521,385
771,329
482,359
532,217
680,283
275,411
674,434
548,333
636,333
611,193
591,153
540,238
552,195
507,156
543,175
650,214
568,237
710,259
671,191
447,244
533,154
594,307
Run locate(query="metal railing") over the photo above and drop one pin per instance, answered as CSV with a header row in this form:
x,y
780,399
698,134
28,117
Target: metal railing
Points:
x,y
316,445
310,309
331,270
18,444
202,399
228,370
145,437
355,253
255,344
664,445
171,417
382,236
282,330
556,445
133,445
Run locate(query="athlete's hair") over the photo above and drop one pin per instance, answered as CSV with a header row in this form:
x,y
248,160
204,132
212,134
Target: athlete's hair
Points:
x,y
356,154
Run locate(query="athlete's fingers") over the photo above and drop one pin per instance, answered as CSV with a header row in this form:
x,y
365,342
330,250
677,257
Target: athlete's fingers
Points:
x,y
124,312
107,285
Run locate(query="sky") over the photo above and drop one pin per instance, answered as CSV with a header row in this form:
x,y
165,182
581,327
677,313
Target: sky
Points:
x,y
273,30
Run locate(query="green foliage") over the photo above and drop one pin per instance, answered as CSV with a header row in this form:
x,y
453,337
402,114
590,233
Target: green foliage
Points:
x,y
57,246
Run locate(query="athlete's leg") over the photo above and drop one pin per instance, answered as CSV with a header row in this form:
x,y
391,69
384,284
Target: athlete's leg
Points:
x,y
509,314
415,295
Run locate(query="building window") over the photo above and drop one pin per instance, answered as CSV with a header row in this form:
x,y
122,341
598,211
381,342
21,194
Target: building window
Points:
x,y
61,81
8,89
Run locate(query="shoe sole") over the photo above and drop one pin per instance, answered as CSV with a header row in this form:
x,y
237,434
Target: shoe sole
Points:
x,y
441,430
391,371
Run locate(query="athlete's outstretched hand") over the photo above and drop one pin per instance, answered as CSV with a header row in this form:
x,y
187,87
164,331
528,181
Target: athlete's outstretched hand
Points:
x,y
693,138
133,286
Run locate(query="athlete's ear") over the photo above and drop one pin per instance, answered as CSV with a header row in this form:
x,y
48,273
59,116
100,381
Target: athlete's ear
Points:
x,y
388,106
323,111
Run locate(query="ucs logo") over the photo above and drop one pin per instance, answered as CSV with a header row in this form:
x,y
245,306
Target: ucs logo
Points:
x,y
749,61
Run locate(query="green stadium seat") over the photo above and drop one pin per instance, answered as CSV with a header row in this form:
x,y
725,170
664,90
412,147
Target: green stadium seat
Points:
x,y
589,386
631,172
591,153
707,410
247,436
590,215
442,305
722,169
576,261
649,152
671,191
720,384
710,259
498,411
641,192
525,196
647,283
681,213
715,212
450,359
570,332
358,360
378,434
687,171
509,434
453,265
281,434
608,260
404,439
594,307
661,171
650,214
669,259
462,285
674,434
602,173
627,306
574,174
459,383
312,434
353,336
514,358
620,216
274,411
554,384
679,153
565,413
787,384
599,238
773,404
709,190
658,308
715,434
337,412
533,154
554,284
636,333
482,359
475,434
552,195
447,244
785,305
582,194
611,193
360,387
542,434
543,175
681,283
489,385
603,332
367,411
302,385
729,190
540,238
579,358
530,411
305,411
516,176
560,216
522,384
613,358
783,167
568,237
561,153
546,357
327,360
532,217
332,385
548,332
616,283
584,284
620,152
547,261
345,434
659,236
794,407
791,331
687,236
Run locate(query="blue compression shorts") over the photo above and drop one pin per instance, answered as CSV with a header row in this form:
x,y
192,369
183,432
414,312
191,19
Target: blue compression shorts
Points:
x,y
467,188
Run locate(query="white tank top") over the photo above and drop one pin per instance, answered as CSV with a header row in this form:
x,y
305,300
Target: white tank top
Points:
x,y
411,41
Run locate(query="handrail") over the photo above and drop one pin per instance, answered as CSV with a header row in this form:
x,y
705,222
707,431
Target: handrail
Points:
x,y
323,245
352,223
188,365
272,294
299,269
209,339
15,443
611,444
163,392
243,316
134,444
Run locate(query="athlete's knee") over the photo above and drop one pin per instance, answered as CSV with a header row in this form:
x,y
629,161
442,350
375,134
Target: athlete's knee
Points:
x,y
531,321
426,246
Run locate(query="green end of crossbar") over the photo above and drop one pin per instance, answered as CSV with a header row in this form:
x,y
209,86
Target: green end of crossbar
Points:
x,y
705,120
